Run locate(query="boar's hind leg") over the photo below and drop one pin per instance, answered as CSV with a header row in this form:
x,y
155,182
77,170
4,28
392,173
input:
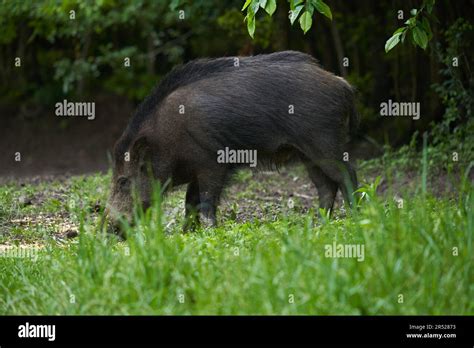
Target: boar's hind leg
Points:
x,y
327,188
192,206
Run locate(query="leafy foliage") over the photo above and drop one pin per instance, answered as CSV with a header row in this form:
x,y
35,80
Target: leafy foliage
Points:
x,y
417,27
457,90
80,45
454,134
302,9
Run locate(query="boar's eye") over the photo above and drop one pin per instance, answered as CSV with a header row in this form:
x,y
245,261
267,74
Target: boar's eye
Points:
x,y
123,182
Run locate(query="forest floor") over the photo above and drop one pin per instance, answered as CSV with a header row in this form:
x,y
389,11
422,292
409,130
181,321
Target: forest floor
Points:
x,y
271,254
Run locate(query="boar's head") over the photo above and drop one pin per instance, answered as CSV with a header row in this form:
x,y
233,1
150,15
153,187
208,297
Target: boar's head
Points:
x,y
131,180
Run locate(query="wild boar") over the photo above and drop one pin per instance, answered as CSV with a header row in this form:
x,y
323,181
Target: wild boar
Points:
x,y
281,106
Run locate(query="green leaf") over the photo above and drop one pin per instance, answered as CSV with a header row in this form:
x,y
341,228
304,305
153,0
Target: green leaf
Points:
x,y
247,3
306,21
413,11
295,13
392,42
174,5
255,6
429,5
402,31
263,3
411,22
323,8
420,37
399,30
426,27
271,7
294,3
404,34
251,24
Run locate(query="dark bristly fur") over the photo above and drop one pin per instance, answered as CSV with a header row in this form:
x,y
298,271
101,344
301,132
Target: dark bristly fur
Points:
x,y
239,106
191,72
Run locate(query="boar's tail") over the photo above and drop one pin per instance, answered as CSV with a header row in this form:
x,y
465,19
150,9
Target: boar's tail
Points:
x,y
354,121
352,116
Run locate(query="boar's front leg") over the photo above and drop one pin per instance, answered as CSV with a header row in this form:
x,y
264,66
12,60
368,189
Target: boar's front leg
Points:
x,y
210,188
345,176
192,206
327,189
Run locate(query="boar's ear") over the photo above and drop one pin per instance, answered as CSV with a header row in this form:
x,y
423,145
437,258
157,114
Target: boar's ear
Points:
x,y
139,151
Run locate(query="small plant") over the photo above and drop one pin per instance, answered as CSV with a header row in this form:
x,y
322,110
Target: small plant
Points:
x,y
368,192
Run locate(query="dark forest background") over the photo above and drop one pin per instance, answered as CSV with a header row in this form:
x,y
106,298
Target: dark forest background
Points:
x,y
82,59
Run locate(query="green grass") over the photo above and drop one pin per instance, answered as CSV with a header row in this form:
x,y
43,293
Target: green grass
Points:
x,y
272,265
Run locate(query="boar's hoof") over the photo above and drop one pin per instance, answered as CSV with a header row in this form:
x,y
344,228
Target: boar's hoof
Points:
x,y
190,225
207,222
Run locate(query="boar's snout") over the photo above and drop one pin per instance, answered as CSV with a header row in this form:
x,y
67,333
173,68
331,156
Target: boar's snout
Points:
x,y
113,218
